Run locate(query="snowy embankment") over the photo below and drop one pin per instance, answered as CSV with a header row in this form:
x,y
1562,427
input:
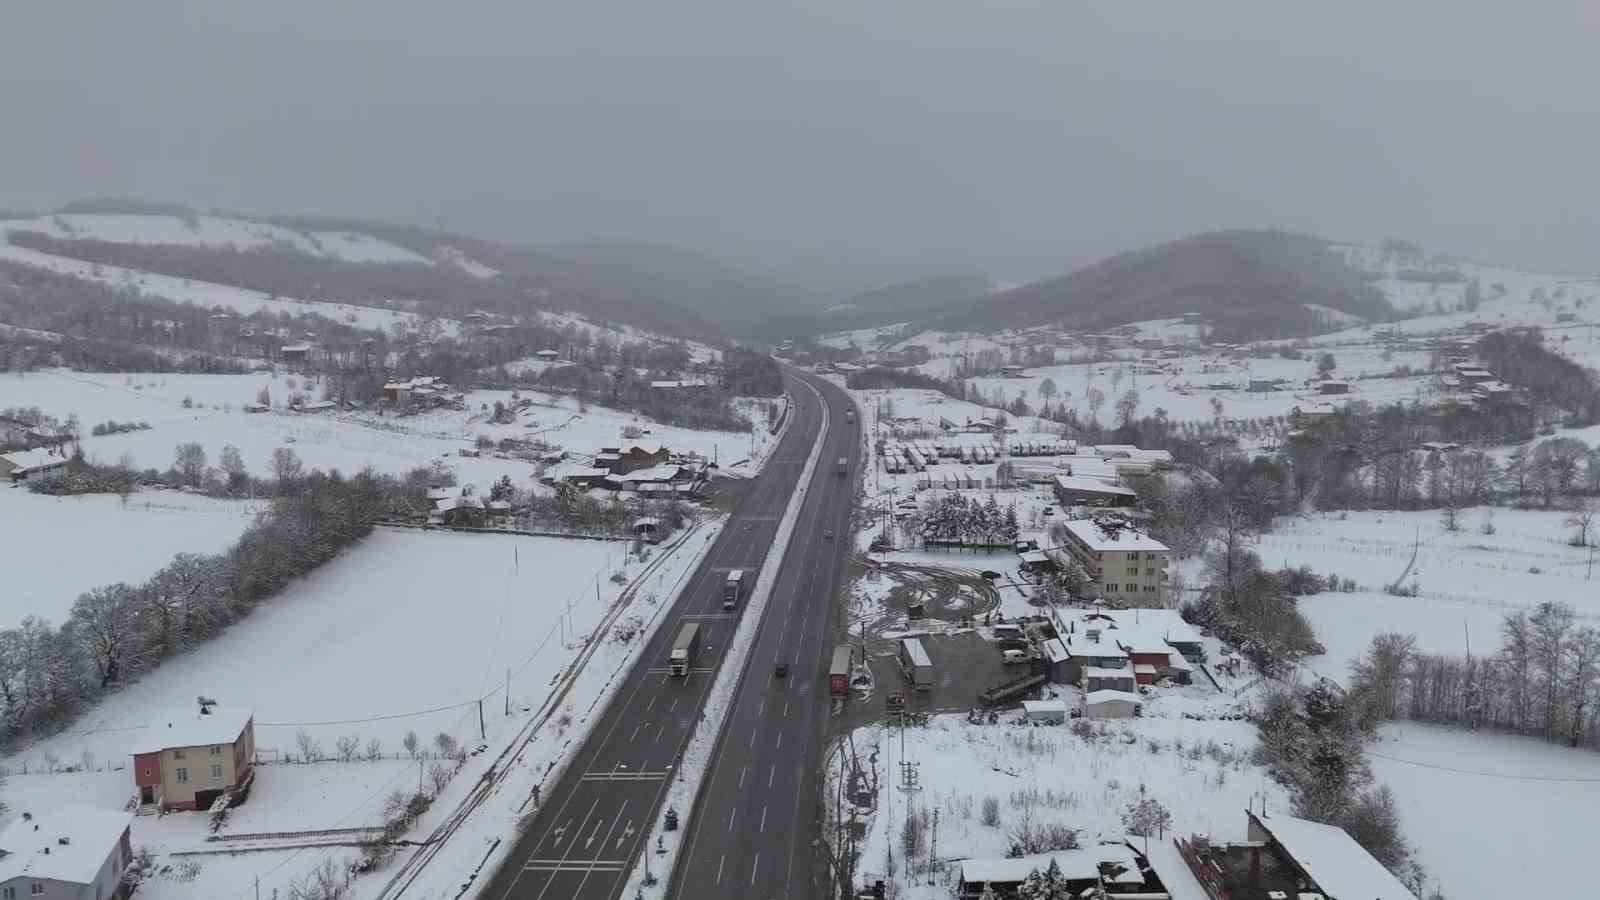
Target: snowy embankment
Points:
x,y
685,789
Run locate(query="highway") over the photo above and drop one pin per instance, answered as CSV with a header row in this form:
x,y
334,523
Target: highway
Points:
x,y
592,823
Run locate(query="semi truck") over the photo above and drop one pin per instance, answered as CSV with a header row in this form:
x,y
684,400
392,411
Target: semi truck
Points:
x,y
839,671
685,649
918,667
732,590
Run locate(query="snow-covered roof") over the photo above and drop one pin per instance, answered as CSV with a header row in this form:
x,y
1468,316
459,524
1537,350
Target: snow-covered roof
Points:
x,y
1075,865
653,473
191,729
1079,645
1055,651
1103,672
647,521
1095,538
1144,669
297,348
1034,557
1334,860
1136,639
1093,485
1109,696
28,460
34,849
1044,706
680,383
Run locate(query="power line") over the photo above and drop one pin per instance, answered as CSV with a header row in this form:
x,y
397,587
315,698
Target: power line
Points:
x,y
1505,775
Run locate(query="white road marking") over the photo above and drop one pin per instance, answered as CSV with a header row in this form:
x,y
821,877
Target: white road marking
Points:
x,y
720,862
753,867
763,818
742,772
731,817
780,741
771,772
635,732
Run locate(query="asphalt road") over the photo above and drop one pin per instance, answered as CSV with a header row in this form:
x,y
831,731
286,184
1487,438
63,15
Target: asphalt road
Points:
x,y
758,812
591,824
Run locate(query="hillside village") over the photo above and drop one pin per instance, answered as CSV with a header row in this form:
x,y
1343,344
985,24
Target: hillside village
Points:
x,y
1078,648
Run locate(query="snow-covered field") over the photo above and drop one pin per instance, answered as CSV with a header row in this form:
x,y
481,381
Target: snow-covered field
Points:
x,y
336,440
404,633
213,296
58,547
1493,815
1467,581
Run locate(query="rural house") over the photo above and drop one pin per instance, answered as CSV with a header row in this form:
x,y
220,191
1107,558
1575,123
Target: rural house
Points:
x,y
1082,490
624,458
25,464
75,851
187,760
1121,563
1288,857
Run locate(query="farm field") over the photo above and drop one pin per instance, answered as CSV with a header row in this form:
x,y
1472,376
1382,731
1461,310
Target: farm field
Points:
x,y
121,542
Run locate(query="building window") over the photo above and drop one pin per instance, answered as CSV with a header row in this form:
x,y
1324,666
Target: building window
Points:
x,y
10,893
1149,571
37,889
216,751
1133,587
1133,570
177,754
1111,587
216,773
183,775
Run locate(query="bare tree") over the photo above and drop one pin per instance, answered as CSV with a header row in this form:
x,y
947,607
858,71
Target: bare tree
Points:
x,y
310,747
286,466
190,463
347,746
1582,519
411,744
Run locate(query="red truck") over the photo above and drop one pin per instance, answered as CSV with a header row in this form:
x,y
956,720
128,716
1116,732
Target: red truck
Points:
x,y
839,671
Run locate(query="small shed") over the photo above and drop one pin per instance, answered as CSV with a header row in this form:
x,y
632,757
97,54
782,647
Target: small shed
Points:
x,y
1110,705
1057,658
1050,712
648,528
1145,673
1334,387
1101,678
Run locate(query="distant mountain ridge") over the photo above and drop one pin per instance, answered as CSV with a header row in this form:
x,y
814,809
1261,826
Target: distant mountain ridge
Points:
x,y
1248,285
887,305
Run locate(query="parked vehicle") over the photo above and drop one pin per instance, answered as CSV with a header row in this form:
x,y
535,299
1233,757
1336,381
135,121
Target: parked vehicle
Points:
x,y
916,664
684,649
839,671
1013,657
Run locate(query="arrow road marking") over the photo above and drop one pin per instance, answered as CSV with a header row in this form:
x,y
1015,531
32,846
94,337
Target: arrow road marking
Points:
x,y
627,832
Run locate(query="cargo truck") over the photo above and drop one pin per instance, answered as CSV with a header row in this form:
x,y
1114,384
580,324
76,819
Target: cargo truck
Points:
x,y
685,649
839,671
918,667
732,590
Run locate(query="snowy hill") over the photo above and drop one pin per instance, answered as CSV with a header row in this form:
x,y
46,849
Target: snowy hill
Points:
x,y
211,231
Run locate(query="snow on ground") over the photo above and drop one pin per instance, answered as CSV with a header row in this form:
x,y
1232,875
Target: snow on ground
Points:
x,y
347,441
121,542
1185,387
213,231
363,639
865,338
454,256
209,295
1493,815
1200,770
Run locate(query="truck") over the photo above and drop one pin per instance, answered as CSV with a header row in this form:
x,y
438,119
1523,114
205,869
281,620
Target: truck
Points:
x,y
839,671
685,649
918,667
850,417
844,466
732,590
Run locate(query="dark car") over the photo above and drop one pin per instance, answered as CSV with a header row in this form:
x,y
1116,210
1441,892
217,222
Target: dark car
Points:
x,y
781,670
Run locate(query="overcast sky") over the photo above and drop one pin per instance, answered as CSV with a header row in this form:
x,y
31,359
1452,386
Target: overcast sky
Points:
x,y
875,138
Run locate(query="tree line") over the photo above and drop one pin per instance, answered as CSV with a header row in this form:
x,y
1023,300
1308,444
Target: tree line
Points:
x,y
1543,679
114,634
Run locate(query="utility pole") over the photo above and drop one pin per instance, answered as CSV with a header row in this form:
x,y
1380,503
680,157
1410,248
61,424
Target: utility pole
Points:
x,y
508,691
933,846
483,733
